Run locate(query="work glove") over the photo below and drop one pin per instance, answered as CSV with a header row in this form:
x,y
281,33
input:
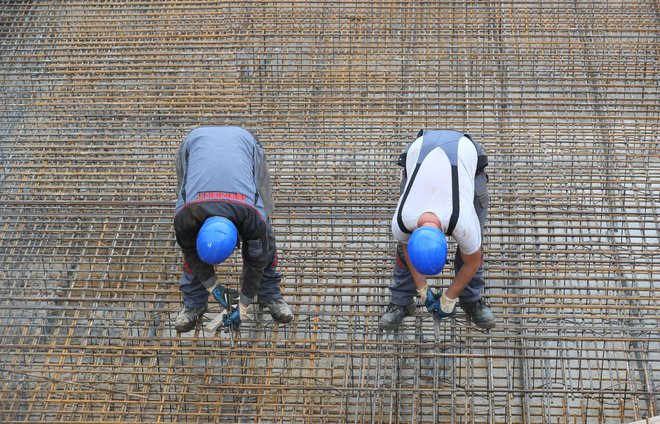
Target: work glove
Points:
x,y
434,303
233,320
227,298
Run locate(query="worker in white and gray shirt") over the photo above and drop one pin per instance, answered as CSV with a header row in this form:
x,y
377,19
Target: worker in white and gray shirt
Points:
x,y
224,200
443,192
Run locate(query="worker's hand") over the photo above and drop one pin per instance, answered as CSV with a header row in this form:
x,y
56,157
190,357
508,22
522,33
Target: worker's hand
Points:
x,y
226,297
233,320
236,317
434,306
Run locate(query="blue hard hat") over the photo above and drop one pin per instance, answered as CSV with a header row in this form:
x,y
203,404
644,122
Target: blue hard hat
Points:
x,y
427,249
216,240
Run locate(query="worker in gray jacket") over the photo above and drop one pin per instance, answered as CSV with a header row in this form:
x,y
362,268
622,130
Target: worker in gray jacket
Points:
x,y
224,200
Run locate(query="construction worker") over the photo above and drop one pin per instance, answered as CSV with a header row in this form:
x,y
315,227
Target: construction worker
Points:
x,y
443,192
224,199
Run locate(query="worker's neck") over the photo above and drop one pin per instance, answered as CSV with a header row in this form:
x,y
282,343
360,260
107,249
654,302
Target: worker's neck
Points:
x,y
429,219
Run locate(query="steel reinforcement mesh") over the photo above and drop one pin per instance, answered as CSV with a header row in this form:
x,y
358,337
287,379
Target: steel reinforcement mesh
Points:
x,y
97,95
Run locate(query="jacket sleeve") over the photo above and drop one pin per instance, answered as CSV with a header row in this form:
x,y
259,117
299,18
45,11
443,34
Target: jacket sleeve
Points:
x,y
181,166
258,239
256,251
186,237
262,179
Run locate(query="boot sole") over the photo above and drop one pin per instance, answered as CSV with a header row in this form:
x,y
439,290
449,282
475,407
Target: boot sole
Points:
x,y
283,320
185,329
389,327
485,325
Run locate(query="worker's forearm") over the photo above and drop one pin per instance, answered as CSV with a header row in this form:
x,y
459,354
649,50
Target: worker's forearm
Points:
x,y
459,282
419,279
463,278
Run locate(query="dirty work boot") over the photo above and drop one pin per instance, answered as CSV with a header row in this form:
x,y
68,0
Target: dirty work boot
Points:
x,y
394,315
279,310
188,318
479,313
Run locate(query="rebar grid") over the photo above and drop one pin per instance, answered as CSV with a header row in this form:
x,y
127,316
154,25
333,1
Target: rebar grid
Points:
x,y
98,94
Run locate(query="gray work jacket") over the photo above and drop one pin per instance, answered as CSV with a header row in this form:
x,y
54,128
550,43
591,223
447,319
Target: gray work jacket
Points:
x,y
222,172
